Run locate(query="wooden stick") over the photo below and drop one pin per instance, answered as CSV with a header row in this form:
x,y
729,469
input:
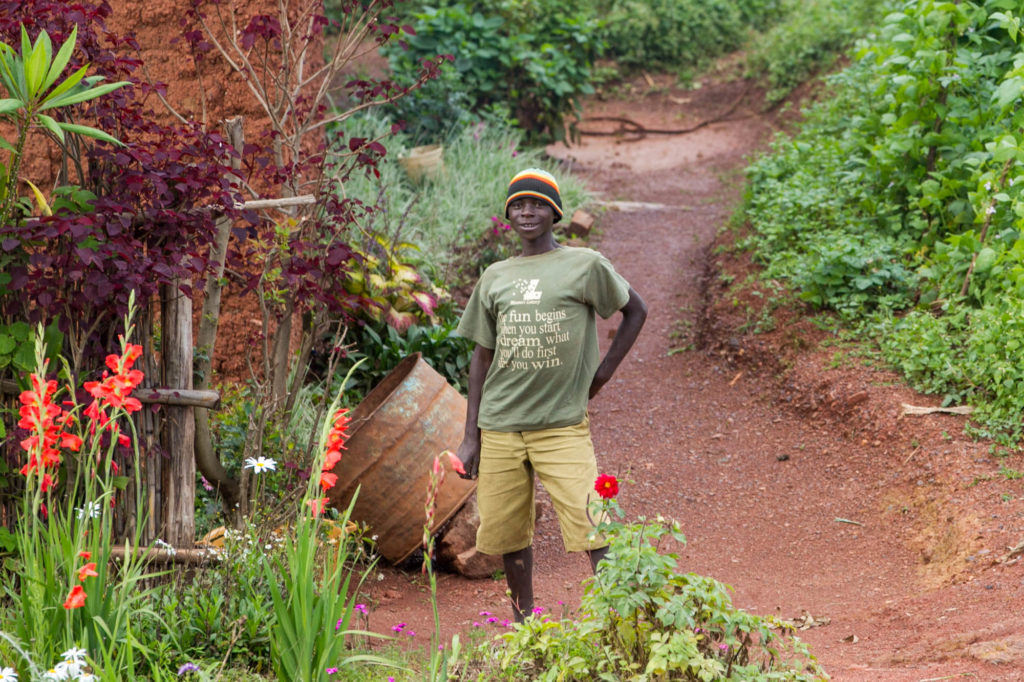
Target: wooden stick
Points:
x,y
192,557
960,409
179,397
301,200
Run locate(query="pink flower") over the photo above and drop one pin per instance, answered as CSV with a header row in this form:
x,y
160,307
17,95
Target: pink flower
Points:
x,y
459,469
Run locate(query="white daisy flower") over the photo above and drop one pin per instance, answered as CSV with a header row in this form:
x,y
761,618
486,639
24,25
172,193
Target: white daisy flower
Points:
x,y
54,674
260,464
74,653
8,675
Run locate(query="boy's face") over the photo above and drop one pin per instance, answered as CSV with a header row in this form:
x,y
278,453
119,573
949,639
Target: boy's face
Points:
x,y
532,219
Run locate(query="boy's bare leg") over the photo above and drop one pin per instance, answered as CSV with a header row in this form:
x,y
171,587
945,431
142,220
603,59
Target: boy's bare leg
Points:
x,y
596,555
519,576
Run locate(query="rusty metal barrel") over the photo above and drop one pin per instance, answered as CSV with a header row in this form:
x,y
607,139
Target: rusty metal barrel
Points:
x,y
407,419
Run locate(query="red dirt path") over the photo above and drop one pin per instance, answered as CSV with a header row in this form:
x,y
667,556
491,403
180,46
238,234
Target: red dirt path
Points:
x,y
766,447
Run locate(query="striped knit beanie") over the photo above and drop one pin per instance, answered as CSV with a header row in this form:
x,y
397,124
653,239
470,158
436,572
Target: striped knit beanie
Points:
x,y
537,183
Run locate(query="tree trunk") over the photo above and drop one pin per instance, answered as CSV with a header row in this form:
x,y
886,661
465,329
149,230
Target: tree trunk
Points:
x,y
206,458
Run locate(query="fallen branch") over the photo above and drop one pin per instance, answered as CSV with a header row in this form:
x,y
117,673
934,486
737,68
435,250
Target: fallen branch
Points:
x,y
1012,554
628,125
959,409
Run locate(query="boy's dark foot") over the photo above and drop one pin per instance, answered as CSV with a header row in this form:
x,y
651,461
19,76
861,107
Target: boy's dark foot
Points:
x,y
596,555
519,576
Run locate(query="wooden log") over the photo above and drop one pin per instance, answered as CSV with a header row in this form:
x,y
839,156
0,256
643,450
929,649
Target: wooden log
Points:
x,y
456,549
161,555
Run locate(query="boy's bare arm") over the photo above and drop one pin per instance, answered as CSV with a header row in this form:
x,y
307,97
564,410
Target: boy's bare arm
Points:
x,y
634,313
469,449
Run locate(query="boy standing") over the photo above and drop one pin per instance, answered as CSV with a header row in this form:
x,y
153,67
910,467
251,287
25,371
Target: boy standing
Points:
x,y
535,366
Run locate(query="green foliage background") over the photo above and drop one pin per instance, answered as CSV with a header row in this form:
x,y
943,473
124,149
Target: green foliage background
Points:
x,y
898,203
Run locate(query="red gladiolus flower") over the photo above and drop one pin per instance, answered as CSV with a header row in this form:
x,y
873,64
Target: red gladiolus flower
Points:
x,y
70,441
114,390
44,420
328,480
85,555
76,598
606,486
336,438
318,505
331,459
335,444
88,570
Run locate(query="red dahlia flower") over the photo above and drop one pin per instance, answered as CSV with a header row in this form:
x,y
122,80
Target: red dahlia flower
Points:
x,y
606,486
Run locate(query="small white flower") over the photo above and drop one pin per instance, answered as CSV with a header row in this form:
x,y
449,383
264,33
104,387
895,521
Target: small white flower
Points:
x,y
87,677
164,546
990,210
260,464
70,668
75,654
91,510
8,675
54,674
1012,180
988,186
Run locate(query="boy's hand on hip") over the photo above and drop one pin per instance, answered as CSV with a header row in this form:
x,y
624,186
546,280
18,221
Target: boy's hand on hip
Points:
x,y
469,454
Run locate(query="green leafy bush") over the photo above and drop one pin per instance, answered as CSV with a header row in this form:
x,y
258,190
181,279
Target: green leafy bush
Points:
x,y
902,192
674,34
383,347
640,619
807,41
528,62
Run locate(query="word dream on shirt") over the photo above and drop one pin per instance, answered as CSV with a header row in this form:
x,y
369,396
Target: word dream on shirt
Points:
x,y
530,340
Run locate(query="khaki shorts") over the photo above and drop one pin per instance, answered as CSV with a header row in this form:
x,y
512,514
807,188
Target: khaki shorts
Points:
x,y
563,459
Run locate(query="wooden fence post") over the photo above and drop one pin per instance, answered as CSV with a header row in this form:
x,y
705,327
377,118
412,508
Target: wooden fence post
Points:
x,y
178,489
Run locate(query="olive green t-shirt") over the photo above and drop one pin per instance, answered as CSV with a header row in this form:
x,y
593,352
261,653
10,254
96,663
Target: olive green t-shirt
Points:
x,y
537,314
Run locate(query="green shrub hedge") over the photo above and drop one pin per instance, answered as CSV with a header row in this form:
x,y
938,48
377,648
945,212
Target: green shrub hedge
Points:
x,y
899,203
